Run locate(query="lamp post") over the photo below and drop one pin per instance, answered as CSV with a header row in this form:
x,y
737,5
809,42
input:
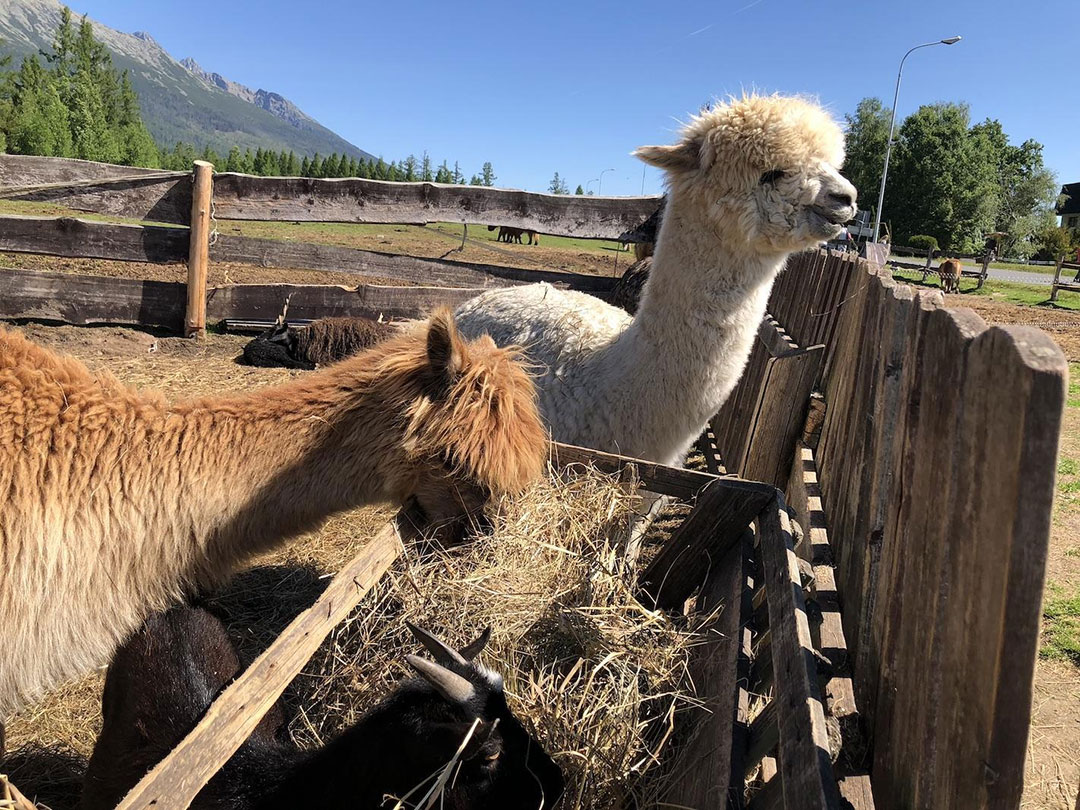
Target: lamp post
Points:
x,y
589,183
600,185
892,126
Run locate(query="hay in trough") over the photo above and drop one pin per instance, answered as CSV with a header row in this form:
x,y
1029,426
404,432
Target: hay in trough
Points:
x,y
596,676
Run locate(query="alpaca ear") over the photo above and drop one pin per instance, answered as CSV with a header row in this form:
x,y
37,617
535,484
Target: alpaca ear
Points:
x,y
684,156
445,348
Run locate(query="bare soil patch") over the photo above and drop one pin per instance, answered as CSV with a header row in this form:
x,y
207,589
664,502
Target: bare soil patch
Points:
x,y
1062,325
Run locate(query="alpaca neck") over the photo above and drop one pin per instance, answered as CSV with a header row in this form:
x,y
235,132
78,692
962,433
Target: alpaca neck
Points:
x,y
275,463
693,332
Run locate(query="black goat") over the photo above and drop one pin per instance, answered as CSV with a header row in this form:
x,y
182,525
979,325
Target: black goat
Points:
x,y
167,675
323,341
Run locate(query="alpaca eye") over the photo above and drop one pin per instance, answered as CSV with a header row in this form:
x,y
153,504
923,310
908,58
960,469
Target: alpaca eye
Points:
x,y
773,176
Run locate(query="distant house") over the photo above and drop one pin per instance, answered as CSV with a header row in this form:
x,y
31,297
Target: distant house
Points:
x,y
1069,210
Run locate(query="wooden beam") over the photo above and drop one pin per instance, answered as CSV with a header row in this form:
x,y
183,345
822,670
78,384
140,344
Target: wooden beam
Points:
x,y
199,248
806,775
84,300
264,301
80,238
166,197
305,199
654,477
699,543
176,780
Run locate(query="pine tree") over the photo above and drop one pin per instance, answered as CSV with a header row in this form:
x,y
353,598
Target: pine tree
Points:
x,y
409,166
39,122
459,178
425,169
305,167
248,162
557,185
91,135
487,174
476,180
379,172
443,174
330,166
233,162
579,190
292,166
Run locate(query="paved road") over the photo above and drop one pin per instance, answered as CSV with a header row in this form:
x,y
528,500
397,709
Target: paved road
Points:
x,y
1021,276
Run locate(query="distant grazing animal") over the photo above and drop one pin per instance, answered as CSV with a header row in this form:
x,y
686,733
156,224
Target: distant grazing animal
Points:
x,y
508,234
115,503
950,271
750,182
166,676
323,341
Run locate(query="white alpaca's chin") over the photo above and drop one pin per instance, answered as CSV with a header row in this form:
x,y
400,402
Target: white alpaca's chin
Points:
x,y
824,225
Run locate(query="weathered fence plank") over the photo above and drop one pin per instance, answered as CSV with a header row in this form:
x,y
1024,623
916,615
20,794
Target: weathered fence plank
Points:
x,y
805,771
91,299
699,543
175,781
709,771
166,197
78,238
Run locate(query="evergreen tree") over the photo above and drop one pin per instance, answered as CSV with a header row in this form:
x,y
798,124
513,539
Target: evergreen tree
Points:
x,y
487,174
316,166
292,165
557,185
379,172
91,136
39,122
234,163
425,169
579,190
210,156
443,174
330,166
305,167
459,178
476,180
248,162
409,165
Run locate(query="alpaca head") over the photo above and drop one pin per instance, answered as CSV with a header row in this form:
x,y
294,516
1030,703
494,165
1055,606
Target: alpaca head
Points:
x,y
474,428
761,172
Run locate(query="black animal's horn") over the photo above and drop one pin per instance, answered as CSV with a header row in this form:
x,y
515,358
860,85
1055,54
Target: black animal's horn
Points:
x,y
473,649
448,684
442,652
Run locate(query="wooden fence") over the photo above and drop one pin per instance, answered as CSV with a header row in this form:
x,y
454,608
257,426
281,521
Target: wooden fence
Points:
x,y
922,479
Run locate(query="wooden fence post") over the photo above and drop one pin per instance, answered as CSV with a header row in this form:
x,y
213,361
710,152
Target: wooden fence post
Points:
x,y
199,248
1057,278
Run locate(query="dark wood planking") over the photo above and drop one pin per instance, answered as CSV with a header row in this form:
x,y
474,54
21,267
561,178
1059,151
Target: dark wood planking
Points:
x,y
68,236
303,199
91,299
708,772
699,543
781,415
998,529
254,301
278,253
805,772
176,780
96,299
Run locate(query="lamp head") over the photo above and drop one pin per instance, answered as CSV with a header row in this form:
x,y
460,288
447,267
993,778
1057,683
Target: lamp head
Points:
x,y
951,40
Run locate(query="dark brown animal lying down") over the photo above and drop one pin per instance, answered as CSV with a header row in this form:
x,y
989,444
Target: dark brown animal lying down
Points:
x,y
323,341
166,676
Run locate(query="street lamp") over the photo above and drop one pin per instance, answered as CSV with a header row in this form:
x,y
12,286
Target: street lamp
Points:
x,y
892,125
600,186
589,183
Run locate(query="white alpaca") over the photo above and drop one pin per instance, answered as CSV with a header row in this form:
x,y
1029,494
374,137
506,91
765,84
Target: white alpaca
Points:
x,y
749,182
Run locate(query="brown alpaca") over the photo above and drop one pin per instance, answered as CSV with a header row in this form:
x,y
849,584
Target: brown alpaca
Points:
x,y
950,271
114,503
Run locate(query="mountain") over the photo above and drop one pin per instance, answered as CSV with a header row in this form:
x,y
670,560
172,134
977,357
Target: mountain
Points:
x,y
179,100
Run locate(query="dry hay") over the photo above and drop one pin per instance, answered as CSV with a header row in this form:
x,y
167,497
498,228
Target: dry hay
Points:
x,y
598,678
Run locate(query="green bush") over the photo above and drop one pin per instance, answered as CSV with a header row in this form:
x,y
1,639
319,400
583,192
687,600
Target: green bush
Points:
x,y
923,242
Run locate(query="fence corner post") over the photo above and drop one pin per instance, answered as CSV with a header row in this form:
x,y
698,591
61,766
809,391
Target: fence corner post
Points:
x,y
202,194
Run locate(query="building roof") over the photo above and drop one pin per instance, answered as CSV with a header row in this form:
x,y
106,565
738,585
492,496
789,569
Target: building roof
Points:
x,y
1072,204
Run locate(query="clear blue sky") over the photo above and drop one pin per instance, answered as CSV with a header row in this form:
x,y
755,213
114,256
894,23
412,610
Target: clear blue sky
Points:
x,y
573,87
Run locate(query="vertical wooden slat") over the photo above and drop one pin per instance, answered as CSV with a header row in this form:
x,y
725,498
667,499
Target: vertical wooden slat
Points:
x,y
199,248
804,768
705,775
998,535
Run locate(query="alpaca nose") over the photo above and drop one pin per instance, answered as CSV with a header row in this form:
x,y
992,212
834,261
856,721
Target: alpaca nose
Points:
x,y
842,199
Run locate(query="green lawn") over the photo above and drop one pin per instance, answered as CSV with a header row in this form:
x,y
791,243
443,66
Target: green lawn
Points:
x,y
1061,634
1023,294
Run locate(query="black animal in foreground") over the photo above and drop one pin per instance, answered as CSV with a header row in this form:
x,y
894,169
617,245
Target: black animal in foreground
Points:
x,y
166,676
323,341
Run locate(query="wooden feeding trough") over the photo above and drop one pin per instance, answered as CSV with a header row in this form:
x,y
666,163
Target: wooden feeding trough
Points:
x,y
735,549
